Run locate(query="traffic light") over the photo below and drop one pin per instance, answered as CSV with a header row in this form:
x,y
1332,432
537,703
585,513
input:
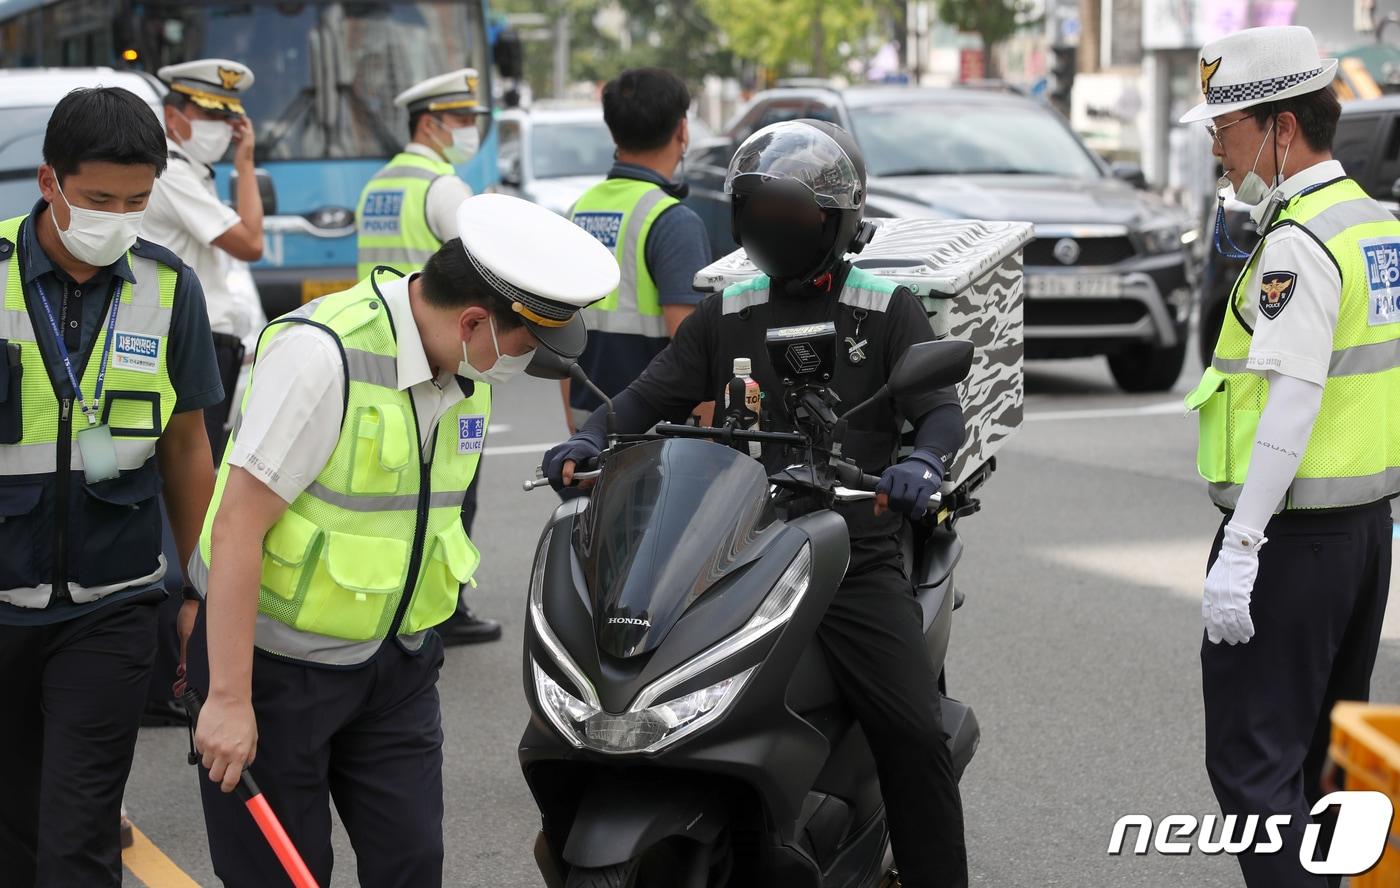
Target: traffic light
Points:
x,y
1063,65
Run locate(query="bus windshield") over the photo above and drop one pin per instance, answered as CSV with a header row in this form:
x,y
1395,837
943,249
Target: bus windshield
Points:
x,y
327,73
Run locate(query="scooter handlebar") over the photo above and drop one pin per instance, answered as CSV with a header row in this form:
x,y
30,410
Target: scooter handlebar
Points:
x,y
589,473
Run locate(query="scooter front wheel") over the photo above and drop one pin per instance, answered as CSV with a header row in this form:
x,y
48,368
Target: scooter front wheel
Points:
x,y
620,875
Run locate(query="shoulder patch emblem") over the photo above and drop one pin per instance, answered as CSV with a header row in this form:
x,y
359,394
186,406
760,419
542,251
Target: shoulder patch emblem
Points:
x,y
1275,289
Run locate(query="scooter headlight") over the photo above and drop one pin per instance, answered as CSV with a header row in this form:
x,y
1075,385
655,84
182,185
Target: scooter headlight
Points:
x,y
647,726
638,730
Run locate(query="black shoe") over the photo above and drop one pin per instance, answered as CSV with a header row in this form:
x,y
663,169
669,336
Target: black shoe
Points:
x,y
164,715
465,627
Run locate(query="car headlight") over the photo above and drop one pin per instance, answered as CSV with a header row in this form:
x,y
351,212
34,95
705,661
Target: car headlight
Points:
x,y
1162,239
637,730
648,725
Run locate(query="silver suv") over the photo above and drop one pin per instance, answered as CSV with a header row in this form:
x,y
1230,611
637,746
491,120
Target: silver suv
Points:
x,y
1107,271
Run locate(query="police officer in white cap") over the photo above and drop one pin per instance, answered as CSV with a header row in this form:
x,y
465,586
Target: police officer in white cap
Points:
x,y
203,115
335,543
1296,438
410,207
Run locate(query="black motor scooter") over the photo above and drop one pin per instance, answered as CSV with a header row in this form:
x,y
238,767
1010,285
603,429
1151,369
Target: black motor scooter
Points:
x,y
685,730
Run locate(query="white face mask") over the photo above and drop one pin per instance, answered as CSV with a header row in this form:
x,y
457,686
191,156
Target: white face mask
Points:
x,y
1253,190
94,237
208,140
466,141
505,368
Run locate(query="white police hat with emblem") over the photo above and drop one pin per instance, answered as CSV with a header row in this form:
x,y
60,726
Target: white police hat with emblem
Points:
x,y
455,91
1259,65
545,266
212,84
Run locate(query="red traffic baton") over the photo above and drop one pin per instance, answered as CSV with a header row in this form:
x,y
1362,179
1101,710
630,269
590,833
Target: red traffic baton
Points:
x,y
256,803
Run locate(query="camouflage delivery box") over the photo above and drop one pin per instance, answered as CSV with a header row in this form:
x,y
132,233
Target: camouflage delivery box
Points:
x,y
968,275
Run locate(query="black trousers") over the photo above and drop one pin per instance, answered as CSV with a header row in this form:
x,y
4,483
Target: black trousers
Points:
x,y
71,703
873,639
369,738
1317,607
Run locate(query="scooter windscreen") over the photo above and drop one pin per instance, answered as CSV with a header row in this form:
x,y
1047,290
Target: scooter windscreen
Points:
x,y
667,521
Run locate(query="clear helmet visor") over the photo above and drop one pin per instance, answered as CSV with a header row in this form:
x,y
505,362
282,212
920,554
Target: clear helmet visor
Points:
x,y
795,151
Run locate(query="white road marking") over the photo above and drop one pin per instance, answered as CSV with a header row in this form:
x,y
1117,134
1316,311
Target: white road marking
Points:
x,y
517,449
1163,409
1175,566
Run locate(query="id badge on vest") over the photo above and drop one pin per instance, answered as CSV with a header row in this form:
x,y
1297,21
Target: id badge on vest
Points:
x,y
99,452
95,444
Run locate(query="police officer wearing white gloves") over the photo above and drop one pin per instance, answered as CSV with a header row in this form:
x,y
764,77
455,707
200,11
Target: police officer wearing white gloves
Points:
x,y
203,115
1297,440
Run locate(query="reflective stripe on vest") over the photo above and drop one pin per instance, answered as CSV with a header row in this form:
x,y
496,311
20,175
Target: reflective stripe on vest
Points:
x,y
620,214
336,565
1353,456
138,400
391,219
861,290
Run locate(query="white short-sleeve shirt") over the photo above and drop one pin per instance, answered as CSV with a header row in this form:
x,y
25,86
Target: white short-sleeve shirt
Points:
x,y
186,216
293,417
1293,294
445,195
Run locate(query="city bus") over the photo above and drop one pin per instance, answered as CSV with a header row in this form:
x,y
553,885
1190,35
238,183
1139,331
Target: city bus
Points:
x,y
322,103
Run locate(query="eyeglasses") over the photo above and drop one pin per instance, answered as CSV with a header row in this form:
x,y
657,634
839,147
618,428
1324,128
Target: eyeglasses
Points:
x,y
1216,131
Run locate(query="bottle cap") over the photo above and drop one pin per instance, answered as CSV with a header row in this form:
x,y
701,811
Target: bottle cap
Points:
x,y
742,366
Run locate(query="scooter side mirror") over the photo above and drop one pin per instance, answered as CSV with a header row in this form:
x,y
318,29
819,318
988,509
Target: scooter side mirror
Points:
x,y
547,364
926,366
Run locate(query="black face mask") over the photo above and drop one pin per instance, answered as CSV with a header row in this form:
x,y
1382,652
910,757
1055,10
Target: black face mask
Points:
x,y
783,249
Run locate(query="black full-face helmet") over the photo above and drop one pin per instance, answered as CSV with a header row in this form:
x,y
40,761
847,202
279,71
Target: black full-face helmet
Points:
x,y
798,197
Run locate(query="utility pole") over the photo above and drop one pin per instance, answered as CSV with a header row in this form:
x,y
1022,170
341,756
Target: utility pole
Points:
x,y
561,50
1090,34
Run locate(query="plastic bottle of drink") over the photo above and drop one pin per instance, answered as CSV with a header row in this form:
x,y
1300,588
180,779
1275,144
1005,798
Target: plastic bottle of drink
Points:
x,y
743,381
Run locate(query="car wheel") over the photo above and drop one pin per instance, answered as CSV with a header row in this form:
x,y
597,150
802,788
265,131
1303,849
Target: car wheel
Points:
x,y
1148,368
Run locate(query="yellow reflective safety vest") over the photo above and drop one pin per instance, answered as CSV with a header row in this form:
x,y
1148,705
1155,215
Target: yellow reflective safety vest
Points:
x,y
374,546
1353,456
55,526
391,221
619,213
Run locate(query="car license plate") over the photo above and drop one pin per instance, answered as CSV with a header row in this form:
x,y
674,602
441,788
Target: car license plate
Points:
x,y
1078,286
316,289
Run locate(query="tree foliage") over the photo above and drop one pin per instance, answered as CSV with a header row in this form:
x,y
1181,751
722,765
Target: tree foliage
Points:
x,y
993,20
794,36
672,34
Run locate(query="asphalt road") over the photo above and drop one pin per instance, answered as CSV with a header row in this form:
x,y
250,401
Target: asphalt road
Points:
x,y
1078,647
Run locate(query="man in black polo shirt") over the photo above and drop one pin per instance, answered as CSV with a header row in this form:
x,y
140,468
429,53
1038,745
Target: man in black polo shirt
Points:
x,y
659,243
108,365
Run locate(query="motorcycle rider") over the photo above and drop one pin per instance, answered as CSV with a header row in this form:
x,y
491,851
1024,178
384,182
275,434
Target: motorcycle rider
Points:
x,y
798,198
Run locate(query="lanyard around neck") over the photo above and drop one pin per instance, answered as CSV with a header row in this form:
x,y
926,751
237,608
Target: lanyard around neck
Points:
x,y
89,410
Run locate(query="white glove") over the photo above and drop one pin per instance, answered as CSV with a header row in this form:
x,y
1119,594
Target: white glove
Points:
x,y
1225,605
